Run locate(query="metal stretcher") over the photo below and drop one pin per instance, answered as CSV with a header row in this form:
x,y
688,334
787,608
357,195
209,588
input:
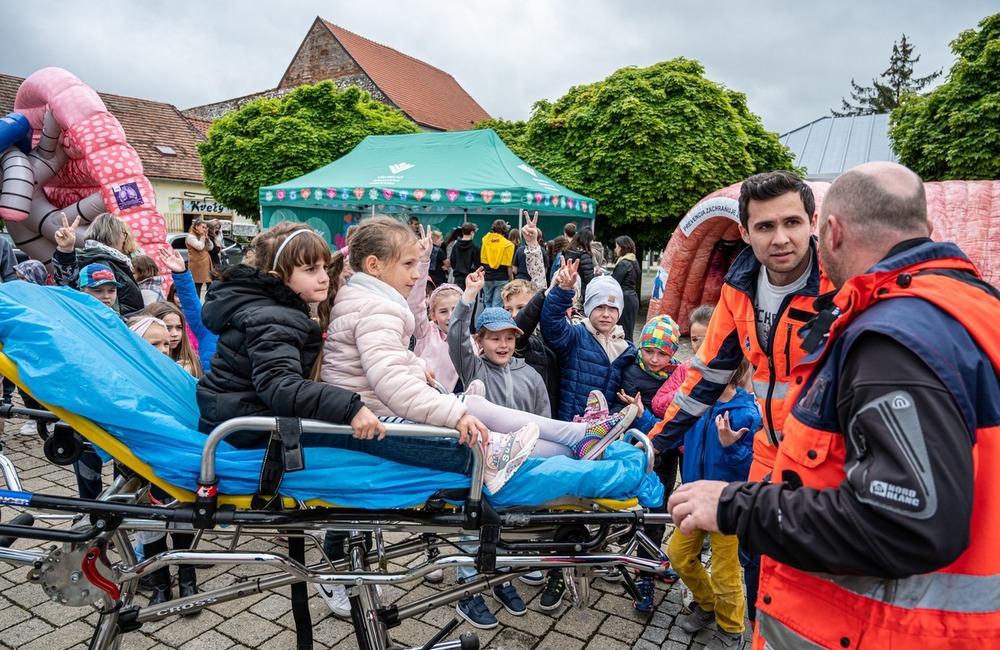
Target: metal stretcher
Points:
x,y
93,564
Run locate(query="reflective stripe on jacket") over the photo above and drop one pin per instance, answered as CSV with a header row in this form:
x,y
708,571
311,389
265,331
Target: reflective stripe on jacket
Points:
x,y
956,606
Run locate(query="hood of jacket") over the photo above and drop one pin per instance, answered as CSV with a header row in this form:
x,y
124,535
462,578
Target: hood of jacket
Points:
x,y
242,288
95,251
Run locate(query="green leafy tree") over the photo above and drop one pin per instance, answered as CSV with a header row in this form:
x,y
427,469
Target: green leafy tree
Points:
x,y
270,141
954,131
897,82
647,144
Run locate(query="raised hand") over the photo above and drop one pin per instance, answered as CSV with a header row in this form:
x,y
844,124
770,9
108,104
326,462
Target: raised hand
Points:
x,y
475,280
726,434
637,400
566,277
171,259
474,283
529,231
425,243
66,236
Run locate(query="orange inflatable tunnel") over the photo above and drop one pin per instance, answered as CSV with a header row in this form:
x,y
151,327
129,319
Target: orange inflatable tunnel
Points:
x,y
698,255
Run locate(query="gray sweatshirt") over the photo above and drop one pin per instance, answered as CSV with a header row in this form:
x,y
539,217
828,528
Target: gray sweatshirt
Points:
x,y
515,385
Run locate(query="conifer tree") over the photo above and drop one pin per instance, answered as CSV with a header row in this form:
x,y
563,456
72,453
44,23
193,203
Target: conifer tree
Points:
x,y
896,82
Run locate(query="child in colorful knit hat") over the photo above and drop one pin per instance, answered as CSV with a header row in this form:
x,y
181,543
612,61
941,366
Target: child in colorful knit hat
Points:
x,y
654,365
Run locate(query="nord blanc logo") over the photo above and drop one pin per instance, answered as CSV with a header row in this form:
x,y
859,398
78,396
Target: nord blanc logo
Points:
x,y
527,169
400,167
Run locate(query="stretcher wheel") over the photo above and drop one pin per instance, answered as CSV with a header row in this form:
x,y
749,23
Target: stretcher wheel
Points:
x,y
63,449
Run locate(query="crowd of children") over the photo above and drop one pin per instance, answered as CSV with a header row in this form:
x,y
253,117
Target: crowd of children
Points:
x,y
373,334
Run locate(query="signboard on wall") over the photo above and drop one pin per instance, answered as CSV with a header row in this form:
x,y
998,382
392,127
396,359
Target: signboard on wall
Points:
x,y
207,207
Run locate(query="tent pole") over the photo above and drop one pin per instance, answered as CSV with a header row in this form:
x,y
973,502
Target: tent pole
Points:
x,y
465,216
373,209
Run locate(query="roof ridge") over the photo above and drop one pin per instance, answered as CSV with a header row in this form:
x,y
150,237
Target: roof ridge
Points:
x,y
335,27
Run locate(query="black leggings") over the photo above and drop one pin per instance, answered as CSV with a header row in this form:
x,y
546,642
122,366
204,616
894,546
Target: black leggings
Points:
x,y
665,467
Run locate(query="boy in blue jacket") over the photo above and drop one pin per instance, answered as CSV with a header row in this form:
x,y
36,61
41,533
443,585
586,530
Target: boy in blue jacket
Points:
x,y
588,351
718,447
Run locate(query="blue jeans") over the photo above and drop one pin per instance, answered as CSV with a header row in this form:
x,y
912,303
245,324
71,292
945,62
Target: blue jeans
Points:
x,y
88,474
491,293
441,454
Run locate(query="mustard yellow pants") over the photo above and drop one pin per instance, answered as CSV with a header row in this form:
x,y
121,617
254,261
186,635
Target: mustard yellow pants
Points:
x,y
722,590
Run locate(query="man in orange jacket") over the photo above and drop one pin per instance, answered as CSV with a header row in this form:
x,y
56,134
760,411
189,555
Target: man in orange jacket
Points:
x,y
881,525
767,297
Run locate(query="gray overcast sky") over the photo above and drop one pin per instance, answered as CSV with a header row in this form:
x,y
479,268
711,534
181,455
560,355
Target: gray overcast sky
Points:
x,y
794,60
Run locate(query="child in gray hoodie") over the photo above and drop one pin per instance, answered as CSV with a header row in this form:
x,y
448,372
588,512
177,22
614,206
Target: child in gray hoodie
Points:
x,y
509,380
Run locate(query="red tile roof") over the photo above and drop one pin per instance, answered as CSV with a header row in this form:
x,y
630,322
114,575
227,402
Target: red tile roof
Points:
x,y
429,96
147,124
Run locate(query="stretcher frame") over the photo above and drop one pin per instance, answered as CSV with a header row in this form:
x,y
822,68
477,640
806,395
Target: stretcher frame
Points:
x,y
572,533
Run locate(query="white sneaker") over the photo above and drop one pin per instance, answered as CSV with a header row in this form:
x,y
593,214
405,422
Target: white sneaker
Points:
x,y
29,428
336,598
506,453
476,387
534,578
436,576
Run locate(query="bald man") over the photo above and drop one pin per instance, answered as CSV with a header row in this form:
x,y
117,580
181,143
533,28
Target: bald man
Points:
x,y
881,527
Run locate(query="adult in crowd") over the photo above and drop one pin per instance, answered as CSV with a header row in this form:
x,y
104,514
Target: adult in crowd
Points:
x,y
578,250
882,530
215,236
199,246
496,255
464,257
627,272
766,299
105,242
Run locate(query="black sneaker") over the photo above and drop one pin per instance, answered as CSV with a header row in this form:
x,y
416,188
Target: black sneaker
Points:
x,y
552,595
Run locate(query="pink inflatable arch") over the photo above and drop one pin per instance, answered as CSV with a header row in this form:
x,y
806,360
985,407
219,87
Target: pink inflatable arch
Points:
x,y
80,165
699,253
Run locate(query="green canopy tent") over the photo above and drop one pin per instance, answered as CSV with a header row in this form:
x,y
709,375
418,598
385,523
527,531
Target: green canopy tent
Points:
x,y
444,179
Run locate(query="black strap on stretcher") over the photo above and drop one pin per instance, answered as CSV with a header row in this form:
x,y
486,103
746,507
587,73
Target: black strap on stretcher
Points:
x,y
284,454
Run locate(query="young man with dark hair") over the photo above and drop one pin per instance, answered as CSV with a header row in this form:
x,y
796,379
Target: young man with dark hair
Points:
x,y
767,298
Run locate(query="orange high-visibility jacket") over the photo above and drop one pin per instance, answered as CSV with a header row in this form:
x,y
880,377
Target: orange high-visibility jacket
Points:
x,y
958,605
732,335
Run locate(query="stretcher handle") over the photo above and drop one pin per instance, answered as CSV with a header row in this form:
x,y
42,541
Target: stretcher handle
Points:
x,y
269,424
647,446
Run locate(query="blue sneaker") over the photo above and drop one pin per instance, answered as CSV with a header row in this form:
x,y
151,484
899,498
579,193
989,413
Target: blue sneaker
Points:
x,y
474,610
510,599
669,576
647,589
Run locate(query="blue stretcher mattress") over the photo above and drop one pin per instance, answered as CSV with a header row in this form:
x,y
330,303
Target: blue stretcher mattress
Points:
x,y
72,352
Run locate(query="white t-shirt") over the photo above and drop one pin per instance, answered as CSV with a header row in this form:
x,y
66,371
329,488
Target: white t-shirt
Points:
x,y
769,298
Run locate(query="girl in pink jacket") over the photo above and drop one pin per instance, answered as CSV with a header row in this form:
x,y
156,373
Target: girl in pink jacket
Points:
x,y
366,351
432,334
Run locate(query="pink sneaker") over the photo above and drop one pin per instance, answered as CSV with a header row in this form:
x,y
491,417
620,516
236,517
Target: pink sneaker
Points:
x,y
596,409
506,453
